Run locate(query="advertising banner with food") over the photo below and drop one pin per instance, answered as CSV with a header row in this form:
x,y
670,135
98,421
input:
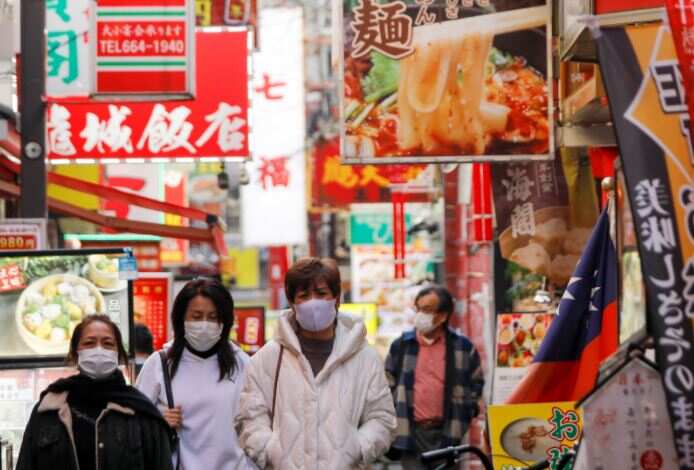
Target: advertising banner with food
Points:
x,y
249,328
626,423
518,339
442,81
152,299
44,295
525,434
648,102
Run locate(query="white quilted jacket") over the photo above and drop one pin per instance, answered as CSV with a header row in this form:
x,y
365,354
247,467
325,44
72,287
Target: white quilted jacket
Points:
x,y
341,419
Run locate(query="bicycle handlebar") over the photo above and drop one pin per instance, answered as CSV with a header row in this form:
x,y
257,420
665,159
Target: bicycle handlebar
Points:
x,y
452,453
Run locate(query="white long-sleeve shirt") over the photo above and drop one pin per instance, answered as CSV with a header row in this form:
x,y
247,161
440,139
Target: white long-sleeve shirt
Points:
x,y
208,440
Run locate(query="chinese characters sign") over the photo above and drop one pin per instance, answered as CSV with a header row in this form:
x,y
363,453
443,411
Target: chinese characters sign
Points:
x,y
67,48
144,47
445,80
681,16
151,302
214,124
273,205
652,125
22,234
532,433
627,425
249,328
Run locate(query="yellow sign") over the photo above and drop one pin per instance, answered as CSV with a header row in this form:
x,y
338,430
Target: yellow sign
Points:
x,y
524,434
366,312
90,173
243,265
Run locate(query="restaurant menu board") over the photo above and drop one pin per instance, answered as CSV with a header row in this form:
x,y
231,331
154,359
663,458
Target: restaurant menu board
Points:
x,y
249,328
627,425
518,339
44,295
445,80
524,434
152,303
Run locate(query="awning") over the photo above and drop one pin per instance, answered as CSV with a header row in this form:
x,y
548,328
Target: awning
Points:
x,y
9,171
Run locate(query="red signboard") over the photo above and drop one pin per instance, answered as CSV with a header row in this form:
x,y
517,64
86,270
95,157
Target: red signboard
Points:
x,y
11,278
143,46
335,185
249,327
151,305
214,124
28,241
611,6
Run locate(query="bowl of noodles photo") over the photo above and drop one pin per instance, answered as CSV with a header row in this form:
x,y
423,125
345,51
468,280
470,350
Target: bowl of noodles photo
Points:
x,y
471,86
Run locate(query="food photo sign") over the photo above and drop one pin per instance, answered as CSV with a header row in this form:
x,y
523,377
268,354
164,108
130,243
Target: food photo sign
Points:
x,y
44,295
445,81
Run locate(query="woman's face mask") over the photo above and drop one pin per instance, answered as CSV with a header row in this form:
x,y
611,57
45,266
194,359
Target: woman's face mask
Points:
x,y
203,335
97,363
316,314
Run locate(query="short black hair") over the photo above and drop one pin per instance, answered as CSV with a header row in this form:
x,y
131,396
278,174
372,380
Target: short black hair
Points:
x,y
446,302
306,272
144,342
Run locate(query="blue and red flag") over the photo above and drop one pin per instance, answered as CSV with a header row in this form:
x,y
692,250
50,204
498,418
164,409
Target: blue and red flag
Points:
x,y
585,331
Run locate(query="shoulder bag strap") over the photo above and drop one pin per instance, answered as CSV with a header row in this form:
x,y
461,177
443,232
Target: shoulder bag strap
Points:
x,y
274,389
169,399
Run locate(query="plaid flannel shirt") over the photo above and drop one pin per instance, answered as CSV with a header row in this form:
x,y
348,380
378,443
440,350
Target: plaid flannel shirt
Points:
x,y
463,387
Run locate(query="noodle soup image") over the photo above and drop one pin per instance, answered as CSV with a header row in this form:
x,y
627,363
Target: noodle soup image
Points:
x,y
469,87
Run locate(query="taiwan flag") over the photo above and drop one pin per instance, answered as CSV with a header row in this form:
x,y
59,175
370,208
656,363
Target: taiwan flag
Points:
x,y
585,331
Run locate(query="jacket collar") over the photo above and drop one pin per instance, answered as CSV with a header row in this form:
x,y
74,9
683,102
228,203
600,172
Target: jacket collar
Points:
x,y
58,401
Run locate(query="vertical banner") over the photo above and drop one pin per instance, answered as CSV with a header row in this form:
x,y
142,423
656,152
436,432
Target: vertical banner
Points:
x,y
648,103
445,80
249,328
152,298
681,16
67,47
144,47
273,205
174,251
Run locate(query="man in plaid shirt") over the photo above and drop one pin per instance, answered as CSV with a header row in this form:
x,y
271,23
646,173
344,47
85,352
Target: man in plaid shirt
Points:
x,y
436,379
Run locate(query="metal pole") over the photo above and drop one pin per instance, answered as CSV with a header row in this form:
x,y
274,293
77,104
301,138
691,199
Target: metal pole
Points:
x,y
32,201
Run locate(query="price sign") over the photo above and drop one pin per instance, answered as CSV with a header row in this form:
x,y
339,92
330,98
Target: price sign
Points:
x,y
22,234
144,46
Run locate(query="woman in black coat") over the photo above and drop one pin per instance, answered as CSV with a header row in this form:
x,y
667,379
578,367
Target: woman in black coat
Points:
x,y
93,420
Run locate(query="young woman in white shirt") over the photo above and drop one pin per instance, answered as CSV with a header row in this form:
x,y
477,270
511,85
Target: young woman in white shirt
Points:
x,y
207,376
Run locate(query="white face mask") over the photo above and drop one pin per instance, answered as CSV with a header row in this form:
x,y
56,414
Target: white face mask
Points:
x,y
316,314
97,363
203,335
424,323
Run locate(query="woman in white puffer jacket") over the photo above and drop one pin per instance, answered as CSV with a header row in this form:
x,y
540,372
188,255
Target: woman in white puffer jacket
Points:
x,y
332,405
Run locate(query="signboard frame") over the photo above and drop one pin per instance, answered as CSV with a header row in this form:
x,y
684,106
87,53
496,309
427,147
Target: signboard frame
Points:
x,y
339,69
41,231
48,361
191,66
169,277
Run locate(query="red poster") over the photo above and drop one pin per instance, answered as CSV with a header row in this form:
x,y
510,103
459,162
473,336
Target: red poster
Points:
x,y
151,304
11,278
335,185
213,124
681,16
249,327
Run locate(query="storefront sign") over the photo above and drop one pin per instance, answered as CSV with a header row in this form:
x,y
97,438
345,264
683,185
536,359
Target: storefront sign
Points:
x,y
143,180
440,81
213,125
45,294
648,102
250,328
144,47
174,251
273,205
22,234
152,299
334,186
518,339
525,434
68,47
627,424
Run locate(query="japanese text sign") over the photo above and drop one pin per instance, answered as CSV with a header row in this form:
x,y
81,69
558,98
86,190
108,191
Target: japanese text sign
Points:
x,y
22,234
213,125
151,303
273,205
626,423
525,434
67,48
445,80
144,47
249,328
649,105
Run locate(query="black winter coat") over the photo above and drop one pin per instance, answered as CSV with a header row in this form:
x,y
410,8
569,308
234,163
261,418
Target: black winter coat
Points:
x,y
125,440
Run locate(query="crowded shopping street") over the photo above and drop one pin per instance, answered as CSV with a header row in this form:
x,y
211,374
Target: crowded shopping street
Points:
x,y
346,235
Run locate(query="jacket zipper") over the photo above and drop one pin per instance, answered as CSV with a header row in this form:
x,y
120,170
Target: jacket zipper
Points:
x,y
96,438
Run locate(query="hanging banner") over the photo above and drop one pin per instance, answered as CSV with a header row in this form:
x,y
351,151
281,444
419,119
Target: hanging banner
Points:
x,y
681,20
648,101
334,185
22,234
144,47
626,424
152,299
68,43
524,434
441,81
273,205
213,125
